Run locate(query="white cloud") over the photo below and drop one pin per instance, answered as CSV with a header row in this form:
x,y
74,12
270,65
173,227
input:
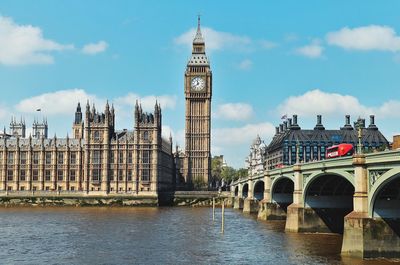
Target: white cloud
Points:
x,y
266,44
215,40
246,64
313,50
64,102
25,44
241,135
94,48
55,103
333,104
148,102
3,113
373,37
234,111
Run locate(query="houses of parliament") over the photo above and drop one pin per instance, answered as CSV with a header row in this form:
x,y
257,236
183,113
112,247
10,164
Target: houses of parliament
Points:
x,y
98,159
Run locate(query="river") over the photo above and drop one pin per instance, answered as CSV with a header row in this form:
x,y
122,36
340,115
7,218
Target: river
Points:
x,y
157,236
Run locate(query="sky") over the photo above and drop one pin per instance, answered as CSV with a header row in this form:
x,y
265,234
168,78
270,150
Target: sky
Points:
x,y
268,58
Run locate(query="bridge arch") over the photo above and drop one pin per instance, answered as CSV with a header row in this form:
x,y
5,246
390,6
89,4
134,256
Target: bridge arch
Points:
x,y
258,190
282,190
384,199
245,190
330,196
309,180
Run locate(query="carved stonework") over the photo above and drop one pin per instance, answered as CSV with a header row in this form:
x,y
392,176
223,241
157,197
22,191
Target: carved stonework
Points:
x,y
374,175
255,160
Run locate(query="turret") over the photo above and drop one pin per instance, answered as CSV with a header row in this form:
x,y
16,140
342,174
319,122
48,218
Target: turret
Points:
x,y
319,125
372,125
347,125
295,126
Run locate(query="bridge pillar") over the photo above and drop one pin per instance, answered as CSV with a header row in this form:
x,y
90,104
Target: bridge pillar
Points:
x,y
250,204
269,210
295,211
364,236
238,202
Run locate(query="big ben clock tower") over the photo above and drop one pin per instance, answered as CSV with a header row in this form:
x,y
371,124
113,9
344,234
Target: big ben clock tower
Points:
x,y
198,90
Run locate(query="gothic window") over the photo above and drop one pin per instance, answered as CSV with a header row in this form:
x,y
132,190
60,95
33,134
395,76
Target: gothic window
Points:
x,y
47,175
145,156
10,175
48,158
77,134
23,158
146,135
60,158
73,158
96,159
112,160
96,174
111,175
129,175
35,158
130,157
120,175
22,175
60,175
72,175
35,175
10,158
96,135
145,173
121,157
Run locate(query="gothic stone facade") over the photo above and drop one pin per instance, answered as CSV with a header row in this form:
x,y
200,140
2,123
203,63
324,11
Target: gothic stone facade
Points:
x,y
97,160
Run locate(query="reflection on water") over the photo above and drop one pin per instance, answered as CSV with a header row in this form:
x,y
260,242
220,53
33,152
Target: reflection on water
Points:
x,y
157,236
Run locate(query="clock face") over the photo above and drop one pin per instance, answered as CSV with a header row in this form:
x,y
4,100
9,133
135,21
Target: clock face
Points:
x,y
198,84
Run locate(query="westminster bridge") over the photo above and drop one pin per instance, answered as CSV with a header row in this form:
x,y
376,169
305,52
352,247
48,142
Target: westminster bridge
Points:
x,y
357,196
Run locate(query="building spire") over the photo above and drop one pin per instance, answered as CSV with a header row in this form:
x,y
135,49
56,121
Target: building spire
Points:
x,y
198,39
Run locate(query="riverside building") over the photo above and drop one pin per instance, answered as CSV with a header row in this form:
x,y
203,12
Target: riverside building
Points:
x,y
291,142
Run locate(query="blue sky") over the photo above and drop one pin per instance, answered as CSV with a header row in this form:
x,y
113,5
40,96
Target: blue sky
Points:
x,y
268,58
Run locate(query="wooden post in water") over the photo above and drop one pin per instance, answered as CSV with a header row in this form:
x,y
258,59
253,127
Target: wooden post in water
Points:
x,y
223,216
213,208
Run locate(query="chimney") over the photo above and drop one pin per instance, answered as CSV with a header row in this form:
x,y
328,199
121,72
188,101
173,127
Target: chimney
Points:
x,y
277,130
347,125
281,128
290,122
319,125
285,127
295,126
372,125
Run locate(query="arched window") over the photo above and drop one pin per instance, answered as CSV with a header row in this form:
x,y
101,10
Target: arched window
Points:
x,y
146,135
97,135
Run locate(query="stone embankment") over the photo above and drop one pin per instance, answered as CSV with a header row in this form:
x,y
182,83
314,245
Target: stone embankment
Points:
x,y
201,198
81,199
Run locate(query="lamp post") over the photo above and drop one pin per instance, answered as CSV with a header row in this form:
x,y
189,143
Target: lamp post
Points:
x,y
359,145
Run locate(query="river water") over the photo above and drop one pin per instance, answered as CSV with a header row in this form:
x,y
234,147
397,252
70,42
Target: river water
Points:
x,y
157,236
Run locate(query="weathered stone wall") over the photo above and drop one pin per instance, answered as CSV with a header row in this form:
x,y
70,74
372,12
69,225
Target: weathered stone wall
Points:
x,y
77,201
201,198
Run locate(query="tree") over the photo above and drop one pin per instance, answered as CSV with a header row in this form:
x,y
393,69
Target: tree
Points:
x,y
228,174
216,167
242,173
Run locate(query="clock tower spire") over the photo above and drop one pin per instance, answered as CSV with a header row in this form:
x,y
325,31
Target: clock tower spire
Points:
x,y
198,91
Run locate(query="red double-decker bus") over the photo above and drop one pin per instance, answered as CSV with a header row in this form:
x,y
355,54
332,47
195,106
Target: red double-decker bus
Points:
x,y
339,150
